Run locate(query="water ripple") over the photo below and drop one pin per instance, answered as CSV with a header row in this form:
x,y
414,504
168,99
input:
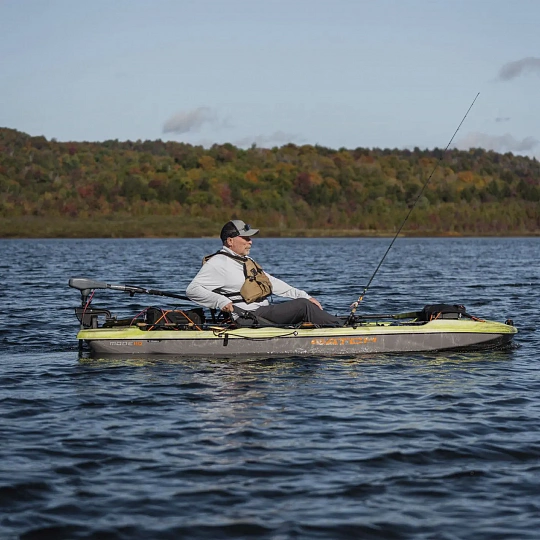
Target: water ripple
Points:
x,y
417,446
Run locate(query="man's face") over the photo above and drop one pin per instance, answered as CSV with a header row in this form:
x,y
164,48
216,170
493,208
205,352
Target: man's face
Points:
x,y
240,245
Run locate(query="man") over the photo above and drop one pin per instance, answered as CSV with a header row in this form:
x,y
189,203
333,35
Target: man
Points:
x,y
232,282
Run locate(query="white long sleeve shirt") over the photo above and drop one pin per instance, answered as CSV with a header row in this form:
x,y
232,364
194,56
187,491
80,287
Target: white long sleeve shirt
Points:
x,y
227,275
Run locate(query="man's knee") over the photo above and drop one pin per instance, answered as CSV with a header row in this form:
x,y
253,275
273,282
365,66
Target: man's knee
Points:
x,y
303,306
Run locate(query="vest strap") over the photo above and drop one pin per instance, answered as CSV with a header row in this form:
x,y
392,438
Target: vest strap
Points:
x,y
257,285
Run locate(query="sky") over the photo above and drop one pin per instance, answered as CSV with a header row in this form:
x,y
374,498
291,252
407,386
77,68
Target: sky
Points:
x,y
337,73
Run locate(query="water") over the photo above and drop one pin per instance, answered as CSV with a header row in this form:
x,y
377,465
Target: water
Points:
x,y
419,446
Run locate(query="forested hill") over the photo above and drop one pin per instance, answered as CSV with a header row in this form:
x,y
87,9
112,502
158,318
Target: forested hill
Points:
x,y
192,190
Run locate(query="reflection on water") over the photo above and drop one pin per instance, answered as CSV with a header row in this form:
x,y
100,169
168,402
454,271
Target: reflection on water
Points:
x,y
258,362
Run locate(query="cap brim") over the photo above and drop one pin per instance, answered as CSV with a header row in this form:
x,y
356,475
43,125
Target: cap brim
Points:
x,y
251,232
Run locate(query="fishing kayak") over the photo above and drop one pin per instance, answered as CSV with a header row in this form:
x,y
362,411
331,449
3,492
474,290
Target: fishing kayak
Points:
x,y
189,334
369,337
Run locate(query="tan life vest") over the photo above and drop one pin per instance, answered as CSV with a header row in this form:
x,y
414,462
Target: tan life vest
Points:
x,y
257,285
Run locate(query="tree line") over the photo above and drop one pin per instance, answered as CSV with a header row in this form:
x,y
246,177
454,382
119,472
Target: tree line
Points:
x,y
290,187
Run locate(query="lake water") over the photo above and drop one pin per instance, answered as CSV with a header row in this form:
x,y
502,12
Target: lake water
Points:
x,y
419,446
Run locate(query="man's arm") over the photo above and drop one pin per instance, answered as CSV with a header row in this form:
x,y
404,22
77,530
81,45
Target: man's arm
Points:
x,y
281,288
200,290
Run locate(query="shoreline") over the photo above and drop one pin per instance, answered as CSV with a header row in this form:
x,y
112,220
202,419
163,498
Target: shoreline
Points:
x,y
161,227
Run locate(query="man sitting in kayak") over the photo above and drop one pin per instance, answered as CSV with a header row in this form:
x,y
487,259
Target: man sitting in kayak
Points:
x,y
232,282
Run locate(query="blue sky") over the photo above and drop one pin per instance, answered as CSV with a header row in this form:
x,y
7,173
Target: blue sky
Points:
x,y
339,73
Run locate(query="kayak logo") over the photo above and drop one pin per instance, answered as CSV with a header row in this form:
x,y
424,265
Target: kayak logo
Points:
x,y
125,343
344,341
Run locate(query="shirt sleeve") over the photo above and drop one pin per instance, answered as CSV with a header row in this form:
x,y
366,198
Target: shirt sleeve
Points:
x,y
200,290
281,288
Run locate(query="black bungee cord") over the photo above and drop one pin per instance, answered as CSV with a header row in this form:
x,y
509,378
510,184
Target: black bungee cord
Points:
x,y
354,305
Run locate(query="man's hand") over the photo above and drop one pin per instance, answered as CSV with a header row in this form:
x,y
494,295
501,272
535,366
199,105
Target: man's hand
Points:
x,y
228,308
316,302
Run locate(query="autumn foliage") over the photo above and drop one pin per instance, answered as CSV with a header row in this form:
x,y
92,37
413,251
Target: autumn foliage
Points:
x,y
290,187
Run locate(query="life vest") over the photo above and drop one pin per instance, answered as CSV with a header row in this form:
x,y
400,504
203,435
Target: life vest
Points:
x,y
257,285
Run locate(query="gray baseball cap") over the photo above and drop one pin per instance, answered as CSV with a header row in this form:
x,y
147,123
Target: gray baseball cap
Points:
x,y
236,227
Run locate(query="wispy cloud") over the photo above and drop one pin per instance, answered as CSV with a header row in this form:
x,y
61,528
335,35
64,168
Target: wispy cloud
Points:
x,y
275,139
498,143
511,70
191,121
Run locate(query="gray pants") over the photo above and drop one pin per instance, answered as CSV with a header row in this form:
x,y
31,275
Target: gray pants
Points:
x,y
297,311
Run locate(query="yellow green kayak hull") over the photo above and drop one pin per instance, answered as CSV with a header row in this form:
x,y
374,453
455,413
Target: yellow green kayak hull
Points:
x,y
365,338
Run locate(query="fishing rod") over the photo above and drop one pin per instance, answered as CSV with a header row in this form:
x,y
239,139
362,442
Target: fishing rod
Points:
x,y
87,285
354,306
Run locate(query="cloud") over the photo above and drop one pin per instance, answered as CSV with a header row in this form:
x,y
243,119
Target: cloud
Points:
x,y
190,121
502,119
275,139
511,70
498,143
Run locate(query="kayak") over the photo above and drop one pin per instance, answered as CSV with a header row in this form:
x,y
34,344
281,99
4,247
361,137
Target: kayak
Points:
x,y
370,337
189,334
